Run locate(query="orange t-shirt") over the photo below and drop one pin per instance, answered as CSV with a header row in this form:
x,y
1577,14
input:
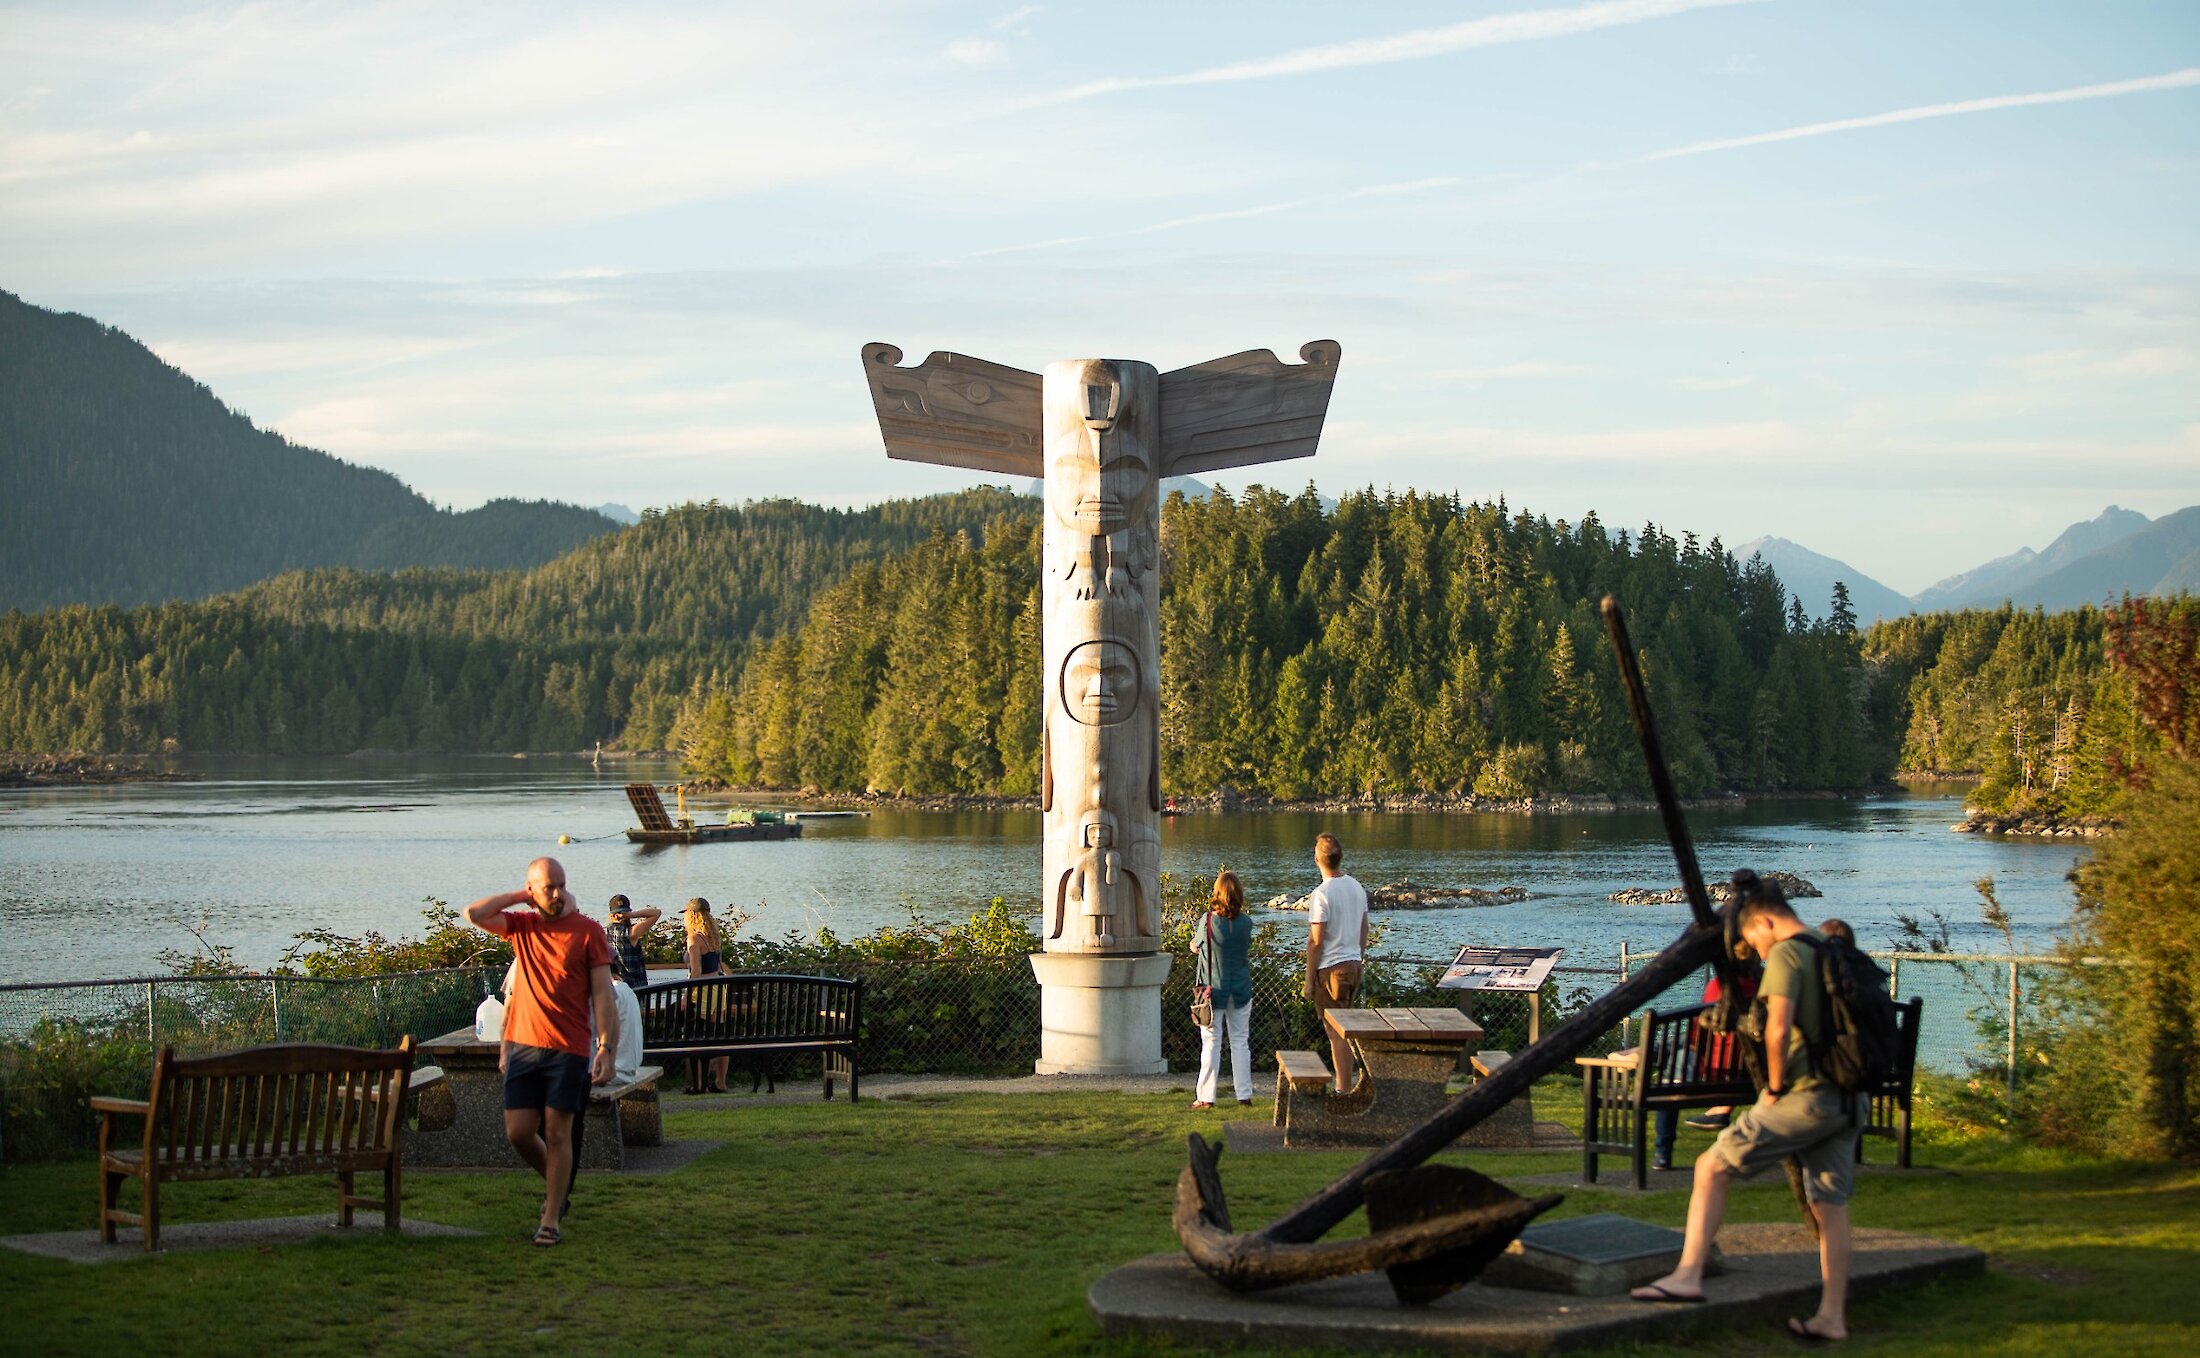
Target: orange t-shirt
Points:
x,y
550,1006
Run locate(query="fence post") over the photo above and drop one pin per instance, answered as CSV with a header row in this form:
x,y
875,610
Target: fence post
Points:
x,y
1535,1015
150,1038
2012,1029
1623,959
275,998
1894,979
381,1020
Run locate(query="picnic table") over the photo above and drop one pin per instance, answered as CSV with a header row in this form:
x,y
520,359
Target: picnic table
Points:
x,y
460,1110
1406,1057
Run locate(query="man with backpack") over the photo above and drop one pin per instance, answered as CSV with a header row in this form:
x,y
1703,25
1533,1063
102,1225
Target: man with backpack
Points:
x,y
1801,1111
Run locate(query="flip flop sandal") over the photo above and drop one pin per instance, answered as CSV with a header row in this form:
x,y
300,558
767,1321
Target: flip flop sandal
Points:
x,y
1800,1331
546,1236
1666,1298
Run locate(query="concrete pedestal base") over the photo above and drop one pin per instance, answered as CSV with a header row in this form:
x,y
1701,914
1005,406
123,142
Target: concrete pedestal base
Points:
x,y
1771,1272
1099,1014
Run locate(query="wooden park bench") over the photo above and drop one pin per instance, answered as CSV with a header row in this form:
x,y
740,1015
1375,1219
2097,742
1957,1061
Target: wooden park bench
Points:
x,y
751,1014
254,1114
1681,1065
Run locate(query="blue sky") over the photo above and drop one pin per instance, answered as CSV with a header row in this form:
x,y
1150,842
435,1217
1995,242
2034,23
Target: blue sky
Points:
x,y
1912,284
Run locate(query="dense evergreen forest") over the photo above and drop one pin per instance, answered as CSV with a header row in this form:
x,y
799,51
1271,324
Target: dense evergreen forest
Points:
x,y
1405,644
610,642
2042,707
1401,644
128,482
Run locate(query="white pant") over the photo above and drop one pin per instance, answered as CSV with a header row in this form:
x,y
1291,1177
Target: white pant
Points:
x,y
1239,1024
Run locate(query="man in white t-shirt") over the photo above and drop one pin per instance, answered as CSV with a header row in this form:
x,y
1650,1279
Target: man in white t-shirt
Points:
x,y
1336,941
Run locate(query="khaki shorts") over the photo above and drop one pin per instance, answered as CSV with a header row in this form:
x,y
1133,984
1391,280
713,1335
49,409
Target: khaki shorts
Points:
x,y
1812,1125
1338,986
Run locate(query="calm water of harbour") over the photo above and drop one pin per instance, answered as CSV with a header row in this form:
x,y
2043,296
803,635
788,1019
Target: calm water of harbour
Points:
x,y
94,882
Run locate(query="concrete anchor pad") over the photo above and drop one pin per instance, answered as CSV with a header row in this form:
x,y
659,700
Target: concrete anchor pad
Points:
x,y
1771,1271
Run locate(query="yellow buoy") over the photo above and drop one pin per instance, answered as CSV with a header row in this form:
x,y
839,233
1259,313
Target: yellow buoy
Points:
x,y
565,839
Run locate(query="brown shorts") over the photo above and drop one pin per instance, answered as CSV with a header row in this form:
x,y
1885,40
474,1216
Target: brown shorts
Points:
x,y
1338,986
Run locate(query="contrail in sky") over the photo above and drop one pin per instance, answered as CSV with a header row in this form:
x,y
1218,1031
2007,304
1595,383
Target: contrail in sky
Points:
x,y
2144,84
1489,31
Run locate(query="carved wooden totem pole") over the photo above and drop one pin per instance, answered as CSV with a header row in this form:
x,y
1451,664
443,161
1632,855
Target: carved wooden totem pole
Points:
x,y
1100,434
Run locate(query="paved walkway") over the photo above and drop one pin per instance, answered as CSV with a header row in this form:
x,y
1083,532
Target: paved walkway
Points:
x,y
84,1247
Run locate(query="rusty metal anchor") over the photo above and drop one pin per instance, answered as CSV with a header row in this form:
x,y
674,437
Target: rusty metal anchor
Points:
x,y
1434,1228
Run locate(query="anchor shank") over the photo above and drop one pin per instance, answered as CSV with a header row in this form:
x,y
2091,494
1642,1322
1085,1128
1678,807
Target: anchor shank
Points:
x,y
1653,758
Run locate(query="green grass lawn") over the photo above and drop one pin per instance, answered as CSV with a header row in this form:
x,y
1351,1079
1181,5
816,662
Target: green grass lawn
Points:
x,y
974,1224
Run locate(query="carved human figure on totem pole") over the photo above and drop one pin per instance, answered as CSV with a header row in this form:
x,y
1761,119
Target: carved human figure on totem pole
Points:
x,y
1100,434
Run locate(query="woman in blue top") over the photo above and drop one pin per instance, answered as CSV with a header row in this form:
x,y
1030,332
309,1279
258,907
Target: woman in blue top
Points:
x,y
1225,974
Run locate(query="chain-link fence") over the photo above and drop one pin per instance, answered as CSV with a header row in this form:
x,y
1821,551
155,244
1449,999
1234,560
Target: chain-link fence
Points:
x,y
1978,1007
63,1042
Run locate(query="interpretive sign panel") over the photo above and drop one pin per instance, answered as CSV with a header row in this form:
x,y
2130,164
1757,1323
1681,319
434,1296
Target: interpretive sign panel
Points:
x,y
1500,968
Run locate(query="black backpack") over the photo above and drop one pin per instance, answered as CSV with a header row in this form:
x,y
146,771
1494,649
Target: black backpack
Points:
x,y
1861,1048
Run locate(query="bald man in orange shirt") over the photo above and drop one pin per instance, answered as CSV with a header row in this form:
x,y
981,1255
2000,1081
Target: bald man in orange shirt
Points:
x,y
564,962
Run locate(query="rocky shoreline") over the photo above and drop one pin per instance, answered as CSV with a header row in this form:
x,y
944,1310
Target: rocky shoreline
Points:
x,y
76,770
2035,827
1230,802
1791,886
1412,895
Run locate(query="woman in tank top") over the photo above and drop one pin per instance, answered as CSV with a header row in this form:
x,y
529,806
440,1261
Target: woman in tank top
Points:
x,y
704,955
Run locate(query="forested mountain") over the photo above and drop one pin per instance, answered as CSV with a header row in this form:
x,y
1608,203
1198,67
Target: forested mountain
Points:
x,y
1404,644
128,482
1400,644
608,642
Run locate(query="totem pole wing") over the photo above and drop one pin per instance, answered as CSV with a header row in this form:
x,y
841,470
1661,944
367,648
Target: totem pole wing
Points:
x,y
1245,409
956,411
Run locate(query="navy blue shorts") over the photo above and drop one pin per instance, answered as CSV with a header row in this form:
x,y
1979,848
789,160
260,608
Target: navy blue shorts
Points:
x,y
536,1078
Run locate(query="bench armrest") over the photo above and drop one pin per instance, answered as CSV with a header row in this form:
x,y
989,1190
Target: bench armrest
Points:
x,y
103,1104
1620,1060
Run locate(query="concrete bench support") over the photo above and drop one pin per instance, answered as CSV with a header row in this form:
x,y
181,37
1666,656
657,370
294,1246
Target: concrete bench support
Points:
x,y
1511,1127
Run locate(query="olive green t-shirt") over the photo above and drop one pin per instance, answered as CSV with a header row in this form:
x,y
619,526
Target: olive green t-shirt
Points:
x,y
1792,970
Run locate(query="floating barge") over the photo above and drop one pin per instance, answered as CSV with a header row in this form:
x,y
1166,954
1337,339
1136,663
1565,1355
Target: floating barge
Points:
x,y
658,827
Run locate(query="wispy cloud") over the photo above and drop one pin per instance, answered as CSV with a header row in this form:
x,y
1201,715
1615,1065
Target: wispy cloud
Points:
x,y
1418,44
1229,215
2143,85
1055,243
977,51
1441,181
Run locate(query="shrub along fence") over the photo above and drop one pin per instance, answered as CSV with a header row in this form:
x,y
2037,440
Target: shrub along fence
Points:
x,y
63,1042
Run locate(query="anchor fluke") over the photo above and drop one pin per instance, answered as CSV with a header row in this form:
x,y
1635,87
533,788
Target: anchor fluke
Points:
x,y
1444,1224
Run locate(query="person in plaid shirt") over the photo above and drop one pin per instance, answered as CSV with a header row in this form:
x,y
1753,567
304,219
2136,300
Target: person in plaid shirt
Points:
x,y
625,934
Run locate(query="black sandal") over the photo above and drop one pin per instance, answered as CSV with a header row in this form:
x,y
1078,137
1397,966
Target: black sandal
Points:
x,y
546,1236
